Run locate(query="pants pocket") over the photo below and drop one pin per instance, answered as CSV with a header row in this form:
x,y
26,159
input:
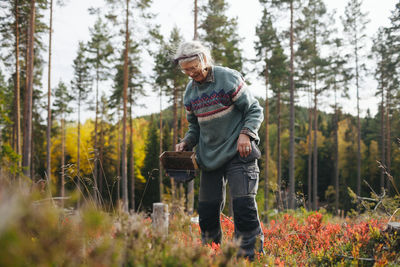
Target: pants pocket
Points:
x,y
243,178
254,154
252,180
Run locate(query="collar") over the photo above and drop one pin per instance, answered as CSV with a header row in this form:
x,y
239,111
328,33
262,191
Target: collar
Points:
x,y
209,78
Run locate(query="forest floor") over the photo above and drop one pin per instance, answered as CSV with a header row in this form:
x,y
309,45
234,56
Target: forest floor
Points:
x,y
36,232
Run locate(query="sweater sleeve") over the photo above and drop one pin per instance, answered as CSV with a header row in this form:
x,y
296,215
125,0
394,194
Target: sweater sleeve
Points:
x,y
252,112
192,135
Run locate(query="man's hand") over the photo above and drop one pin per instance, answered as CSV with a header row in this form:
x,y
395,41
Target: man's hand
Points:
x,y
244,145
180,147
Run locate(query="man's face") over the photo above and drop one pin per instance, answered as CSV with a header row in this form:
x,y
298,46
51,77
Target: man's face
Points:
x,y
195,69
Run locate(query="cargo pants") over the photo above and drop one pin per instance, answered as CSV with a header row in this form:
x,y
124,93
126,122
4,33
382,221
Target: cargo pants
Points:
x,y
242,175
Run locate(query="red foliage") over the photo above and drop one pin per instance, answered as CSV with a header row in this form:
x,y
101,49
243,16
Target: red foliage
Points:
x,y
290,239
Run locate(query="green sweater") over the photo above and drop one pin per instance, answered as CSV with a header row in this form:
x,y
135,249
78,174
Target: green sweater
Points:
x,y
218,110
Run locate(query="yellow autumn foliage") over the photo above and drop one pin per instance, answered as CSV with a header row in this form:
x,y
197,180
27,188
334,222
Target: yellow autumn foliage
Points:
x,y
303,145
347,135
140,128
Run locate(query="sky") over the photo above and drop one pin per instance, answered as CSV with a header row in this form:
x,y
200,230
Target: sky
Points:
x,y
72,21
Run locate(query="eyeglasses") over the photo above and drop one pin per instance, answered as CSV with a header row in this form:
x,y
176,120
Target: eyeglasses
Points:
x,y
192,69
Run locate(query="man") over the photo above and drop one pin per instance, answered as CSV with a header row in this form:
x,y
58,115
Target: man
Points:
x,y
224,119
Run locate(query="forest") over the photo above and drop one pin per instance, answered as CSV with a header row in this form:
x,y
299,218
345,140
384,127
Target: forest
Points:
x,y
80,172
315,156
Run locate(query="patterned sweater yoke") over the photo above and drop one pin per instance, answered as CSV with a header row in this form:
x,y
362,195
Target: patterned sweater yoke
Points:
x,y
218,110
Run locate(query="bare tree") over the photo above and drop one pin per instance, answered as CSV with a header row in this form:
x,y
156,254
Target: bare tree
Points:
x,y
125,88
27,150
291,115
17,93
131,156
161,150
48,132
81,83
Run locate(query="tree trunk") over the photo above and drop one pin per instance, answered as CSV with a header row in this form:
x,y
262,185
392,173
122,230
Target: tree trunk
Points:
x,y
125,87
62,152
78,158
100,174
291,119
315,145
336,163
358,122
131,156
266,169
383,158
161,150
195,37
17,93
119,157
278,160
309,177
388,143
175,112
160,219
315,153
175,137
95,148
26,159
48,133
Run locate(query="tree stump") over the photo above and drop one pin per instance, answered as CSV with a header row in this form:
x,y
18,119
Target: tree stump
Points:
x,y
160,218
393,227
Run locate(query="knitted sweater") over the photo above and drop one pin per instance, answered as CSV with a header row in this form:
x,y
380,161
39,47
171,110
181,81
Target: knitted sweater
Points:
x,y
218,110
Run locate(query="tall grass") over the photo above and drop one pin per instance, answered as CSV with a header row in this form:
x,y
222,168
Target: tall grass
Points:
x,y
36,231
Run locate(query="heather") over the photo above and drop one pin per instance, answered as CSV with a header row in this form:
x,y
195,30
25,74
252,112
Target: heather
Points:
x,y
37,231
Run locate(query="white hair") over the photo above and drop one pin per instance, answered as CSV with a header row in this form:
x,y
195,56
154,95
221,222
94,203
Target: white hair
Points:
x,y
191,50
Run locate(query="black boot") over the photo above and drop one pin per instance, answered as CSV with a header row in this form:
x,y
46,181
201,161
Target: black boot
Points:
x,y
247,227
209,220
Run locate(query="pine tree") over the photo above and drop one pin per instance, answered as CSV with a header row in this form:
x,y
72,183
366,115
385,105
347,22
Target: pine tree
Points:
x,y
10,32
136,90
354,23
14,24
124,100
395,32
48,132
291,4
267,40
393,35
387,77
278,78
337,81
107,162
9,159
81,84
27,148
100,52
220,33
125,6
62,98
17,91
169,79
314,30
